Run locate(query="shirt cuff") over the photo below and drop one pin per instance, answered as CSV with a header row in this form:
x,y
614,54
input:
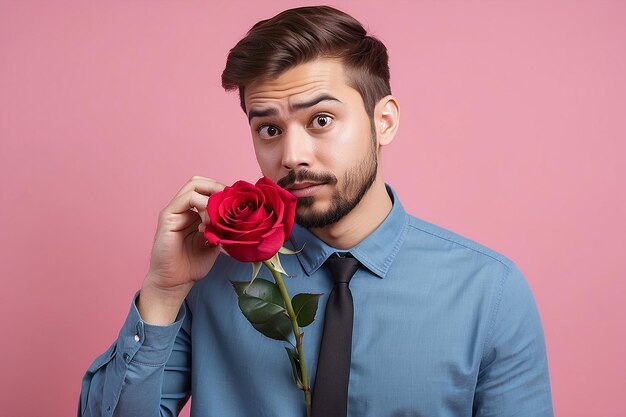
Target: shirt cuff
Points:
x,y
145,343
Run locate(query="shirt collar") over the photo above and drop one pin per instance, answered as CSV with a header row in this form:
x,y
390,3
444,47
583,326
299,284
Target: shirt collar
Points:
x,y
376,252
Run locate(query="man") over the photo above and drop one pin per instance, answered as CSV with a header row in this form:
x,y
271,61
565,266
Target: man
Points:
x,y
442,326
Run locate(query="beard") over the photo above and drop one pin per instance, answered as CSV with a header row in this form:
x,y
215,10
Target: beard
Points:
x,y
355,183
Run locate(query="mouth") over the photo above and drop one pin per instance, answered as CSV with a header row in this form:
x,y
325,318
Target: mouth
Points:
x,y
304,189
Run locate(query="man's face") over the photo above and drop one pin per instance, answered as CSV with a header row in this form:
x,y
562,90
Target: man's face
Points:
x,y
312,135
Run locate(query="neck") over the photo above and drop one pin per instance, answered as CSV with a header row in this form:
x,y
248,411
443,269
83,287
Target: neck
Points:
x,y
361,221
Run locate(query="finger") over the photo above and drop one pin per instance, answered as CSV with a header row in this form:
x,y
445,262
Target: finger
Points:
x,y
177,222
189,206
203,185
192,228
197,236
191,200
184,210
201,244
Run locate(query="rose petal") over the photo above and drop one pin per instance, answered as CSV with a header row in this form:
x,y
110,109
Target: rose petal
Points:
x,y
289,215
243,235
236,205
273,200
256,251
246,253
213,205
211,238
251,214
237,242
289,203
272,241
257,215
251,222
241,226
266,222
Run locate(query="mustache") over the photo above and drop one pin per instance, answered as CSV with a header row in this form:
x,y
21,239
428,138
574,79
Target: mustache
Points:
x,y
306,175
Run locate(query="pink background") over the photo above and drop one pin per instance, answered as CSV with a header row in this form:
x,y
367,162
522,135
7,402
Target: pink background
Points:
x,y
513,134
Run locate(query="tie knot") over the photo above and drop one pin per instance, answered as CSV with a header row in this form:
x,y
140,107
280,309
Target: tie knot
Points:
x,y
342,268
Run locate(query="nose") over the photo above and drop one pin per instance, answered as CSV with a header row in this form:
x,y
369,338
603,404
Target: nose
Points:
x,y
297,149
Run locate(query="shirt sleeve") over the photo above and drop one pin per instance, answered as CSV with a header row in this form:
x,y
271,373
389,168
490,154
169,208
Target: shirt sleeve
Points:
x,y
145,373
513,379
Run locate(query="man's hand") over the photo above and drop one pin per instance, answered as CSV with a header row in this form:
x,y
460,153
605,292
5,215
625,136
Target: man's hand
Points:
x,y
180,255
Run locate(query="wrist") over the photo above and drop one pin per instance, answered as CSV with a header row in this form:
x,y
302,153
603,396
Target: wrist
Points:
x,y
160,306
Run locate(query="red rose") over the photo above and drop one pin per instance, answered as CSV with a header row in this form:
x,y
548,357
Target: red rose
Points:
x,y
251,222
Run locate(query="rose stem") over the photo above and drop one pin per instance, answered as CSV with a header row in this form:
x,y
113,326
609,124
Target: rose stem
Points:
x,y
296,332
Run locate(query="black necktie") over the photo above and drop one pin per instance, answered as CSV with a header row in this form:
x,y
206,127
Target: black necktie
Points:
x,y
330,392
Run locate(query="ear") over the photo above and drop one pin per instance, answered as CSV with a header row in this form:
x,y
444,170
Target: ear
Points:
x,y
386,119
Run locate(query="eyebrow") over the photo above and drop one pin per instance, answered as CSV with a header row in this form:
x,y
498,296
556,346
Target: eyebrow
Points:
x,y
261,113
297,106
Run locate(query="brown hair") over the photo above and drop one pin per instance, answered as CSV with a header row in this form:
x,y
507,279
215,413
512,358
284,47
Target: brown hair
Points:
x,y
300,35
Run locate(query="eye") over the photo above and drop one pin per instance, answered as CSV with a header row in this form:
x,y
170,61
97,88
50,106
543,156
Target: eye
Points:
x,y
268,131
320,121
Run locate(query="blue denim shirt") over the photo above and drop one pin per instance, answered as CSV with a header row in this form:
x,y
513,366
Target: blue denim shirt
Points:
x,y
442,327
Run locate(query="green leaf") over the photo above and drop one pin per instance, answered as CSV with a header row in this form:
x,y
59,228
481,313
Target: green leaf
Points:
x,y
258,310
278,327
260,288
261,303
305,307
294,359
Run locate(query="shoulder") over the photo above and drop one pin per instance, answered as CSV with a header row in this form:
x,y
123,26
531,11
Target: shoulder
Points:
x,y
439,237
473,266
462,256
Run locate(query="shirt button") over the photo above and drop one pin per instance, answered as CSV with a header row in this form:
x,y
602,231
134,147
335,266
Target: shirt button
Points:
x,y
136,338
126,357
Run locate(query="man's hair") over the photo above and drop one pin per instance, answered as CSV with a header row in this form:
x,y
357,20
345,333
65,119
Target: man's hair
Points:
x,y
301,35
